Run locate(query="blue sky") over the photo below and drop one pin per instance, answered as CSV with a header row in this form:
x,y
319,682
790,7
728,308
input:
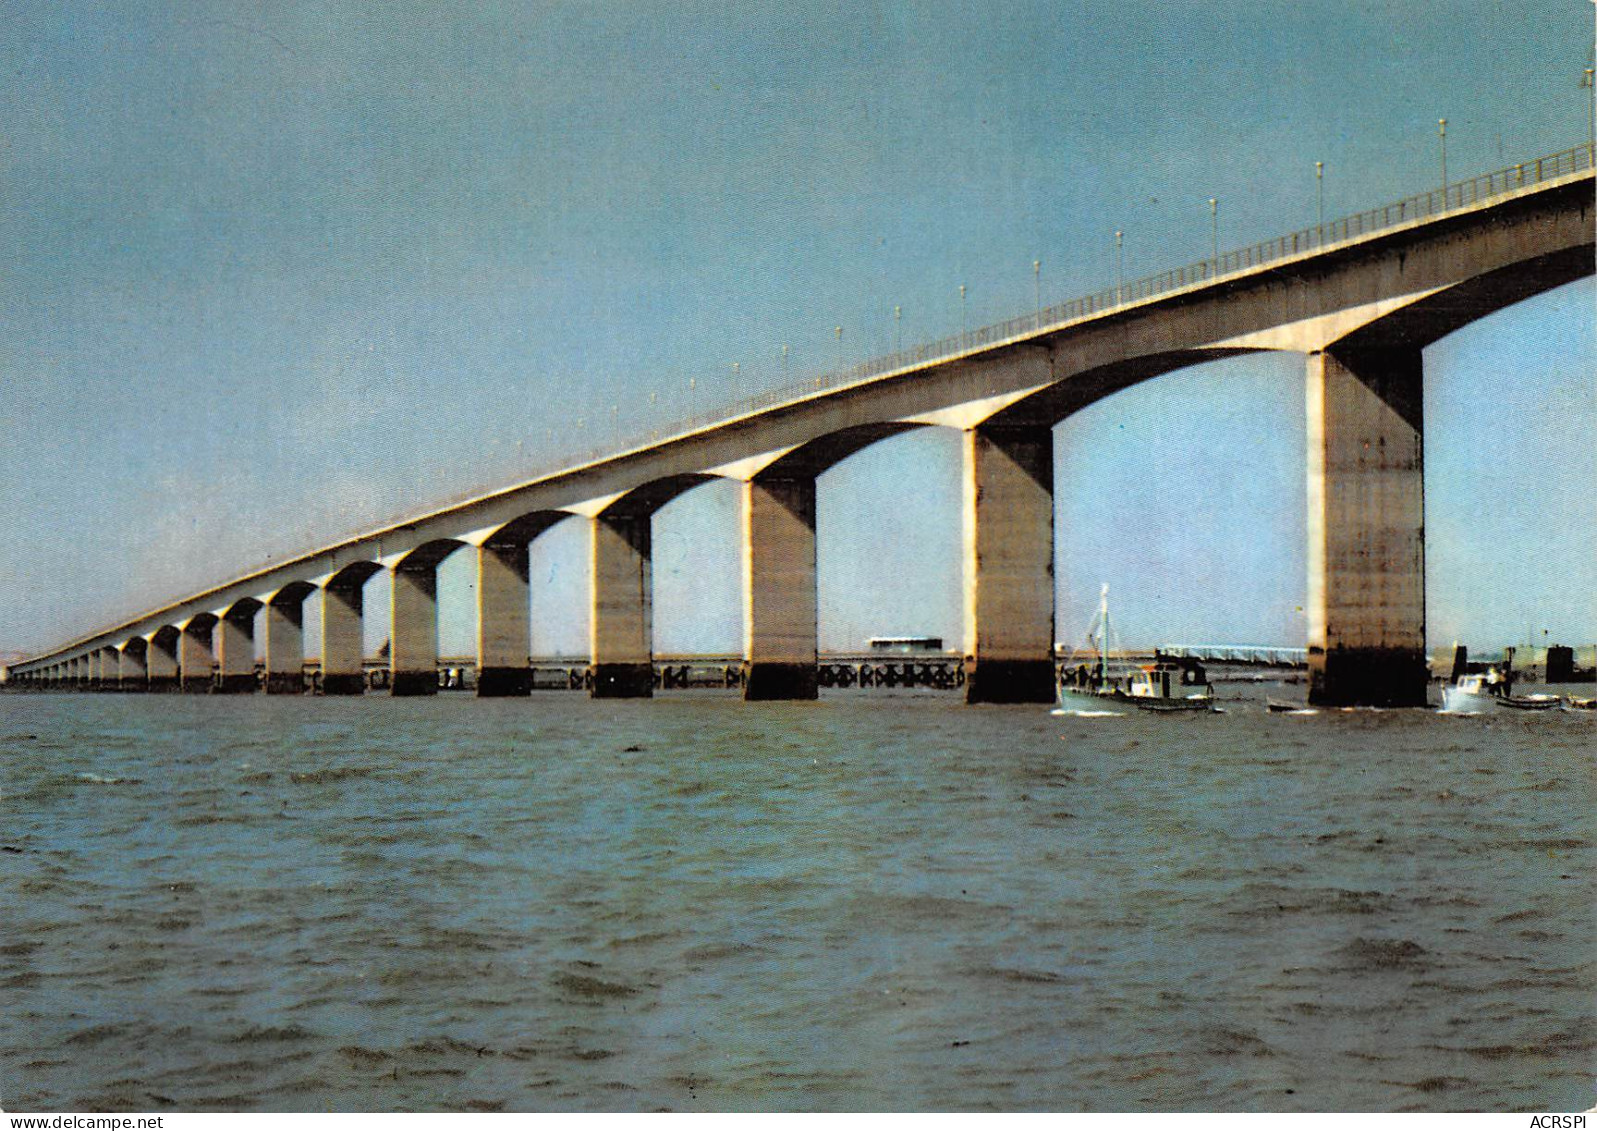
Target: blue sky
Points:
x,y
270,275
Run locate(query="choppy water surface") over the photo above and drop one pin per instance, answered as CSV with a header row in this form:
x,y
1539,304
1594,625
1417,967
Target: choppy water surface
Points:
x,y
870,902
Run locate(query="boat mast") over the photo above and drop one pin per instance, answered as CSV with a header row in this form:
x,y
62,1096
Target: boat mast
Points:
x,y
1103,642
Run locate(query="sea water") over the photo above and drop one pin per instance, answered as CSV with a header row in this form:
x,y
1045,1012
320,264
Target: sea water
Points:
x,y
872,902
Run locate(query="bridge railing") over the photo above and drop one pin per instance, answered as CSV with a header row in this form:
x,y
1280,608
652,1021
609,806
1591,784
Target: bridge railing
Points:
x,y
1458,194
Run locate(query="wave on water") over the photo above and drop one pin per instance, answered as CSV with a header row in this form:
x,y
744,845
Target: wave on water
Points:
x,y
565,904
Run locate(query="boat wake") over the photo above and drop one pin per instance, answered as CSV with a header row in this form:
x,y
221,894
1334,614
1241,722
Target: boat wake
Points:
x,y
1088,714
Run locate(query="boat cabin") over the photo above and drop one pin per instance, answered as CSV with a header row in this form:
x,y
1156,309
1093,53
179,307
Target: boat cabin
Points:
x,y
1489,682
1169,677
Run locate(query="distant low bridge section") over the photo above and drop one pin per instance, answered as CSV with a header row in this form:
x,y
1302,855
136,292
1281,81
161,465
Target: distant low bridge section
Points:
x,y
1264,655
1360,297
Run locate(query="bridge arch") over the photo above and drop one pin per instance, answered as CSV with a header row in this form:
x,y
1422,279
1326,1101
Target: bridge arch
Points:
x,y
815,457
1075,390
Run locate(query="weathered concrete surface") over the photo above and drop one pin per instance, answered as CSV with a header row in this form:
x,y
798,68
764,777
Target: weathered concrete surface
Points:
x,y
110,668
1366,528
503,625
621,628
162,659
284,651
779,588
413,629
1009,564
196,658
344,632
235,652
132,668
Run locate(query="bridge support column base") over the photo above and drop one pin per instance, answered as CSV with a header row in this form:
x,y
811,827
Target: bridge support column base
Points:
x,y
236,685
132,686
1368,677
414,683
163,683
346,683
285,683
623,681
503,683
196,684
1011,681
775,681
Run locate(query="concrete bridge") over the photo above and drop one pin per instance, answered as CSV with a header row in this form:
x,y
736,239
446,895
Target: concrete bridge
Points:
x,y
1360,297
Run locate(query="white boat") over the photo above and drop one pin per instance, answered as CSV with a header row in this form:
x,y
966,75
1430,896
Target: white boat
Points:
x,y
1169,684
1479,692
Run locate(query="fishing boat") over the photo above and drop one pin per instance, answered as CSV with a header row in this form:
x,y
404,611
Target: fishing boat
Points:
x,y
1489,691
1169,684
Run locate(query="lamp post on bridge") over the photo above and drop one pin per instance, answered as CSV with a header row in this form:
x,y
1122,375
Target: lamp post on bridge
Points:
x,y
1441,133
1588,81
898,329
1120,265
1036,289
964,329
1319,201
1214,232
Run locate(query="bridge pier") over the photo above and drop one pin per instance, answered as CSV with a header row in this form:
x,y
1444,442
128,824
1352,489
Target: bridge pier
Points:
x,y
236,648
110,669
621,631
1366,527
779,588
161,659
1009,564
413,630
504,636
285,641
133,670
195,658
343,635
